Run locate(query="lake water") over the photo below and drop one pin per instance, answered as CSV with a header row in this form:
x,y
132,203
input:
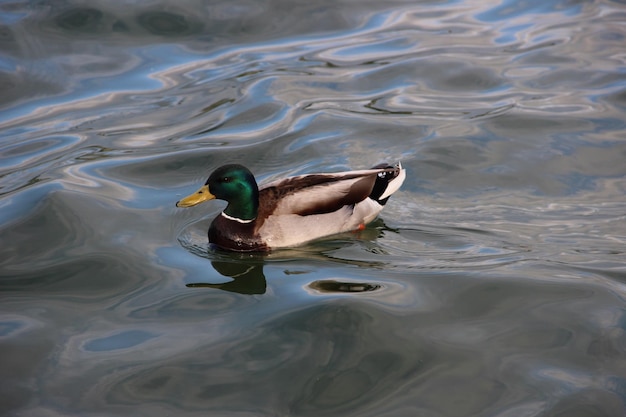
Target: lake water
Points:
x,y
493,283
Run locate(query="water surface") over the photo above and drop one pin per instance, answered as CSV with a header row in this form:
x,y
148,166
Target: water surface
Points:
x,y
493,283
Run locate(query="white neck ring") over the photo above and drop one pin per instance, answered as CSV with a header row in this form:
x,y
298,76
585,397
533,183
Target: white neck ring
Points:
x,y
237,219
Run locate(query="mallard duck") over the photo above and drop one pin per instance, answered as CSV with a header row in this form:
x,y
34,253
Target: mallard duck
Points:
x,y
291,211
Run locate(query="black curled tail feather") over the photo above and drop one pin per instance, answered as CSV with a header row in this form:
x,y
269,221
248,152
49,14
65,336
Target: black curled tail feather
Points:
x,y
382,181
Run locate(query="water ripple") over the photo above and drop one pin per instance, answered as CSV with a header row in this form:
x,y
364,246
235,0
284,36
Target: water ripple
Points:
x,y
492,284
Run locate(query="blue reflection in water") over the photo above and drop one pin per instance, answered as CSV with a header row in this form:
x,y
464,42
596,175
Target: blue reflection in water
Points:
x,y
122,340
511,34
512,9
494,286
8,327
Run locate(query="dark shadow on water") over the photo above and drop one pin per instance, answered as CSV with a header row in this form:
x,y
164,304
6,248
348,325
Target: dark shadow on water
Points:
x,y
90,20
334,286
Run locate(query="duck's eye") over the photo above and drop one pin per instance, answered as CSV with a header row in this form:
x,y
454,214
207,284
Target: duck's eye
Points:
x,y
226,179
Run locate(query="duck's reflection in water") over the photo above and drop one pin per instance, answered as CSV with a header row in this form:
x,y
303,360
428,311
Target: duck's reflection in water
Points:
x,y
247,278
246,274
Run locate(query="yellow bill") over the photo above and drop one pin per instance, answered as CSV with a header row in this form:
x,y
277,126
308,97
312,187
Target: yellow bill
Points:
x,y
200,196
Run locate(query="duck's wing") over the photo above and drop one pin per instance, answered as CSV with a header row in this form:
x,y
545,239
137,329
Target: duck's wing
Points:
x,y
316,193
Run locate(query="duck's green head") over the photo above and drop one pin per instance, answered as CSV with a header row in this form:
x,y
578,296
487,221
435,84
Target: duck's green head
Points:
x,y
232,183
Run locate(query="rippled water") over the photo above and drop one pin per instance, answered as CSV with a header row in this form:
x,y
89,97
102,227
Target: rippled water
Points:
x,y
493,284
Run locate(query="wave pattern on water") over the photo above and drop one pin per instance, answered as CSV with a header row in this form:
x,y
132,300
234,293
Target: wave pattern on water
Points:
x,y
492,284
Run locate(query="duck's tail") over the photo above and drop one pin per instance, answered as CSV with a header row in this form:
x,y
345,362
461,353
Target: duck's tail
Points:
x,y
387,182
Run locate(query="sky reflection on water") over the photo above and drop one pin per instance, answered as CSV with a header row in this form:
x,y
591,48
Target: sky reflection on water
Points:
x,y
492,285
